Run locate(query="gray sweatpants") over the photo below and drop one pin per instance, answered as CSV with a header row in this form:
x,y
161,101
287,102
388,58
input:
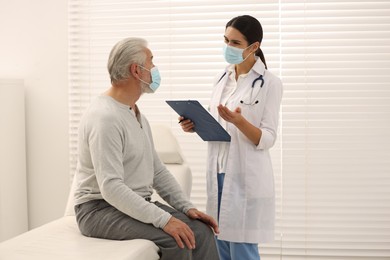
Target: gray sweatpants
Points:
x,y
99,219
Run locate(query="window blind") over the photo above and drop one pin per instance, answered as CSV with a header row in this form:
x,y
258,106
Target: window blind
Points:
x,y
331,160
336,122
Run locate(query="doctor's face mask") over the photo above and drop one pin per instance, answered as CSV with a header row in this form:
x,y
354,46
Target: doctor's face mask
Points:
x,y
156,80
233,55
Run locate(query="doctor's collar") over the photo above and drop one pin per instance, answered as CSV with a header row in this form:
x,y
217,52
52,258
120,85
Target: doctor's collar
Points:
x,y
258,67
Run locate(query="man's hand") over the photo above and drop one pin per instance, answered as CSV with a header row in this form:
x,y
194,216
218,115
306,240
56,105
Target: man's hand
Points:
x,y
196,214
181,232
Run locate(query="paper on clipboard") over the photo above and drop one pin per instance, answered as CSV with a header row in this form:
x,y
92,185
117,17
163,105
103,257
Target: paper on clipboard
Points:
x,y
205,124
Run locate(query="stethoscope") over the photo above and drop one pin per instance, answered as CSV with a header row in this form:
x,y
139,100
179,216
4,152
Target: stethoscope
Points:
x,y
251,101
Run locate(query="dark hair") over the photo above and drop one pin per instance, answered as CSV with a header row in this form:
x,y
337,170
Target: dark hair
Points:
x,y
251,28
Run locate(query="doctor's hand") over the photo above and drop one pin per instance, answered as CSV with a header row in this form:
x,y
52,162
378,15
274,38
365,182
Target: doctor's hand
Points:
x,y
181,232
186,124
199,215
233,117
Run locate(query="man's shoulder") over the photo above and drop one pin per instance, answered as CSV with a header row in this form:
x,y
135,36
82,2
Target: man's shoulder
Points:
x,y
101,113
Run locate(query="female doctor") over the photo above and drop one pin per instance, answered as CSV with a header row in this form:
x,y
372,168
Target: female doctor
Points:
x,y
240,183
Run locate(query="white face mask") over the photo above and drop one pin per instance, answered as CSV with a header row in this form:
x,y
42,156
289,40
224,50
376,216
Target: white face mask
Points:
x,y
233,55
156,80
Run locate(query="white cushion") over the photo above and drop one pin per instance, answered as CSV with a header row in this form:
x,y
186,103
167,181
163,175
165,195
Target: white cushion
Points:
x,y
166,144
61,239
69,210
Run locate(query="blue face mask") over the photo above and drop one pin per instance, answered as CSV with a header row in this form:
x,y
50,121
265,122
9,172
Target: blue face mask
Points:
x,y
156,80
233,55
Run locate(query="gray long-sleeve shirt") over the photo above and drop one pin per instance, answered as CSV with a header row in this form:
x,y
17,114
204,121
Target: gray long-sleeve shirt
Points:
x,y
117,162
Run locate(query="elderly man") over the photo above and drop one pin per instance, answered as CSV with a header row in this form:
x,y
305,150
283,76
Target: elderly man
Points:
x,y
118,168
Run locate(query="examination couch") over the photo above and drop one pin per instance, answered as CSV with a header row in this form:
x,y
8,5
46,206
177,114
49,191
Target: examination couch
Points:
x,y
61,238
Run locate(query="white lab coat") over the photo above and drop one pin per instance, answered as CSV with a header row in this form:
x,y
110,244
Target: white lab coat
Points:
x,y
248,199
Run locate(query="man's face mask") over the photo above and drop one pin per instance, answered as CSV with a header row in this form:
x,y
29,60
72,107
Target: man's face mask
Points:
x,y
233,55
156,79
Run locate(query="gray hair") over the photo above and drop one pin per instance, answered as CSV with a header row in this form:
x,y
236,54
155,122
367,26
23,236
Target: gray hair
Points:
x,y
123,54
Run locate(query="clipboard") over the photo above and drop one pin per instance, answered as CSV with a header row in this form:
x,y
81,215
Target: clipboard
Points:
x,y
205,124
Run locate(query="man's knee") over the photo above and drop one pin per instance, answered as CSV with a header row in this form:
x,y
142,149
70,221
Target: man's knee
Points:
x,y
206,247
202,232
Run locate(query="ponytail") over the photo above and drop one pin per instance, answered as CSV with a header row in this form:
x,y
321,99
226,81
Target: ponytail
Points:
x,y
260,53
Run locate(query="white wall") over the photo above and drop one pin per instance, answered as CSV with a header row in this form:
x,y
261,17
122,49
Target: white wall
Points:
x,y
34,48
13,184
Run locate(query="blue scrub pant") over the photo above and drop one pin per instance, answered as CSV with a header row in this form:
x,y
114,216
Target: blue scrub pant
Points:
x,y
232,250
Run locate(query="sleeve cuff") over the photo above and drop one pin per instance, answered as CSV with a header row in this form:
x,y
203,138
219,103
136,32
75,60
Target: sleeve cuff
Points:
x,y
266,141
163,221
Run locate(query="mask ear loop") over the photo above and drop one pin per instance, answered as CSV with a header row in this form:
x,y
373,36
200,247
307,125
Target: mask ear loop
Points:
x,y
140,77
250,52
